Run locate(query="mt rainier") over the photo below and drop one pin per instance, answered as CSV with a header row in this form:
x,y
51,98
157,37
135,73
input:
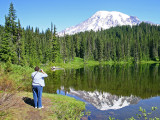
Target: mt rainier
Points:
x,y
102,20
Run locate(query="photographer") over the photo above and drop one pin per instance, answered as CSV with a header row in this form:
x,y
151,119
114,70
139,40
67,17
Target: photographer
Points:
x,y
37,86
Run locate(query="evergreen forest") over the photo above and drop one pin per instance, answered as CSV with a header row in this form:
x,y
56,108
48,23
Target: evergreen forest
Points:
x,y
29,46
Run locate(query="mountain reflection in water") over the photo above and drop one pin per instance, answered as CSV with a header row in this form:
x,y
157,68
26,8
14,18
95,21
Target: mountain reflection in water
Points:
x,y
105,101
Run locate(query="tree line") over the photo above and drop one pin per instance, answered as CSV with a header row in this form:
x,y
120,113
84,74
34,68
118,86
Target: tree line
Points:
x,y
26,46
122,43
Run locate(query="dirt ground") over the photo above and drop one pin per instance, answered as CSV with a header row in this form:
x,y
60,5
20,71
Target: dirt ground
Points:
x,y
24,110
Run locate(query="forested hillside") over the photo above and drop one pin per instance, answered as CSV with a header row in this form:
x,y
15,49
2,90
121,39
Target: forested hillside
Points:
x,y
123,43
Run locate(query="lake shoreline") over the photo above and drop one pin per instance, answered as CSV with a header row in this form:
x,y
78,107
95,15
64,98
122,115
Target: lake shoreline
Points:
x,y
79,63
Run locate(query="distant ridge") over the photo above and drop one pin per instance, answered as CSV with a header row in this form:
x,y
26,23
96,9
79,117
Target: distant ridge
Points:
x,y
102,20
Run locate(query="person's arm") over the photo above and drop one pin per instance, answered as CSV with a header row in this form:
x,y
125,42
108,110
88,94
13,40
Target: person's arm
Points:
x,y
44,74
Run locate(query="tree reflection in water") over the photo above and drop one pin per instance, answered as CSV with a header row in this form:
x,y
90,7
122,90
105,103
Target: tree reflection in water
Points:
x,y
141,80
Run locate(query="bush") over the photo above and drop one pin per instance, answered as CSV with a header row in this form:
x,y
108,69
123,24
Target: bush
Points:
x,y
8,89
7,94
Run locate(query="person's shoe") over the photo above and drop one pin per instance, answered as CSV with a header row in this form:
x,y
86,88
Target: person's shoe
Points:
x,y
35,107
40,107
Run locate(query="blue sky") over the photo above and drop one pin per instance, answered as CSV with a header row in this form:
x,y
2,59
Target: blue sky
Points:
x,y
66,13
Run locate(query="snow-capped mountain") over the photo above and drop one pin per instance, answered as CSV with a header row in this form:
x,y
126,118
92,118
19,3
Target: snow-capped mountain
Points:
x,y
102,20
105,101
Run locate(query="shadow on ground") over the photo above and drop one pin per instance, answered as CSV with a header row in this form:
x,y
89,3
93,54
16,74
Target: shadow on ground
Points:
x,y
28,101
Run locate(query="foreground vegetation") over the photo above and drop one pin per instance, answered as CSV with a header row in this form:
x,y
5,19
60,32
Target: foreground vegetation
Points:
x,y
14,80
66,107
56,107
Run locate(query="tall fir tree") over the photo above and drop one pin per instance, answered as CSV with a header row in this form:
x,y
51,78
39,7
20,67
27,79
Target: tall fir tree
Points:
x,y
55,45
11,28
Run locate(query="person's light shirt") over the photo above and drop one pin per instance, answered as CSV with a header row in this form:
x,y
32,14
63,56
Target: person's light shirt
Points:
x,y
38,78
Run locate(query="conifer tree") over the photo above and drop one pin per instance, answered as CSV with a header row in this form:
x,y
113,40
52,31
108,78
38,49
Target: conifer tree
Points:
x,y
99,49
5,48
63,49
23,60
19,43
55,45
11,28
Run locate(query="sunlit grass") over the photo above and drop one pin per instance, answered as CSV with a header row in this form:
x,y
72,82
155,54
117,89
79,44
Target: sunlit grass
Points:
x,y
63,107
79,63
66,107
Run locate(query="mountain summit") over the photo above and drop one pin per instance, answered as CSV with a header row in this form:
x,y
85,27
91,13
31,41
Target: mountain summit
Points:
x,y
102,20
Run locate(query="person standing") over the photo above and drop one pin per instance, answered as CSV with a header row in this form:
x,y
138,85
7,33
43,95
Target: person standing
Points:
x,y
37,86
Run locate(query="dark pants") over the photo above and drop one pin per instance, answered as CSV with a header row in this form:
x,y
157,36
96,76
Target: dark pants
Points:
x,y
37,93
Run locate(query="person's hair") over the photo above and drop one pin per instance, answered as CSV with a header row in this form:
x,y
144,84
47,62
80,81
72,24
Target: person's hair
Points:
x,y
36,68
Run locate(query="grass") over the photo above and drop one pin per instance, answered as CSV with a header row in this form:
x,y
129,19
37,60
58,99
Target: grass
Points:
x,y
76,63
66,107
79,63
57,107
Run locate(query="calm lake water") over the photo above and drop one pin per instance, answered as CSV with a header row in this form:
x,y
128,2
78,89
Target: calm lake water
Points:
x,y
110,90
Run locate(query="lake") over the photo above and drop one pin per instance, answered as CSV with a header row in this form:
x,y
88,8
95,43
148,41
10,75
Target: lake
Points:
x,y
110,90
